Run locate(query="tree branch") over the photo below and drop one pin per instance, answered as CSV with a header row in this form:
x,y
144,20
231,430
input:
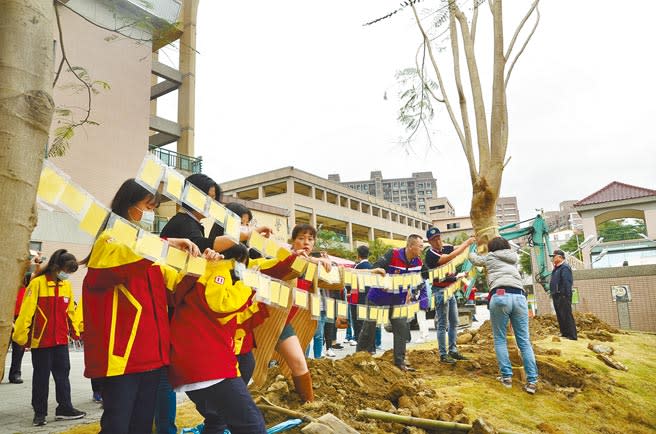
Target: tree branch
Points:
x,y
421,72
519,28
512,64
474,21
464,112
61,44
438,75
477,91
499,116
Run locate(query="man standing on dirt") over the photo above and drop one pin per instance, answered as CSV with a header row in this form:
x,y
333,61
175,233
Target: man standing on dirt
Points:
x,y
560,288
395,261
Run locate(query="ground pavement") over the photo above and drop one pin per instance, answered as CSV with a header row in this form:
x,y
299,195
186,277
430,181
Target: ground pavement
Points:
x,y
16,412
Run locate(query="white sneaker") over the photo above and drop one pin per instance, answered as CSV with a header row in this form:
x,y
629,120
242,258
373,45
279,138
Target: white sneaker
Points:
x,y
330,353
354,343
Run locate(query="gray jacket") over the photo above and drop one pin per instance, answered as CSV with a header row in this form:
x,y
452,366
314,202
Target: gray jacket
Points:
x,y
501,268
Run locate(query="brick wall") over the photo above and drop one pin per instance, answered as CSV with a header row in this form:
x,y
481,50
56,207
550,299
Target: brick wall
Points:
x,y
595,295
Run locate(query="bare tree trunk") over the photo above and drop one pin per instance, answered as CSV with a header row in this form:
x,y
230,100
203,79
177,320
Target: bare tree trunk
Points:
x,y
26,109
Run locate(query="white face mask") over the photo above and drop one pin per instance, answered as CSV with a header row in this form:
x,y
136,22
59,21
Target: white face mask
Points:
x,y
63,276
147,218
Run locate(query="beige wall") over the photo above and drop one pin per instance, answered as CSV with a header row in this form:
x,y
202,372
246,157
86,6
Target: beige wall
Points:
x,y
595,295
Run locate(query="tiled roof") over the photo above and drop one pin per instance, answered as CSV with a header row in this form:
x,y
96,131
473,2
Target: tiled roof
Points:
x,y
616,191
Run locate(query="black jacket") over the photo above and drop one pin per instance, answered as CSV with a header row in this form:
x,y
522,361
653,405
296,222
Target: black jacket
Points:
x,y
561,280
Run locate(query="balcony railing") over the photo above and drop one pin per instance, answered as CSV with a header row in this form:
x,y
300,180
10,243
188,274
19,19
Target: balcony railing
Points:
x,y
179,161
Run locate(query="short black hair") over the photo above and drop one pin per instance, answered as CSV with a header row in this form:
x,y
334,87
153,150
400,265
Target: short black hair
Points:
x,y
240,210
497,243
128,195
204,183
363,252
303,228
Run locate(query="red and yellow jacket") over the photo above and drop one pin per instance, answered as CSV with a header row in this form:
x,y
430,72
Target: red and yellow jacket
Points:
x,y
47,309
204,325
126,327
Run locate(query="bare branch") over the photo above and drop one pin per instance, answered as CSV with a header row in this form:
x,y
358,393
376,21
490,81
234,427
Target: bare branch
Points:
x,y
519,28
61,44
464,112
474,21
420,72
431,55
512,64
476,88
499,116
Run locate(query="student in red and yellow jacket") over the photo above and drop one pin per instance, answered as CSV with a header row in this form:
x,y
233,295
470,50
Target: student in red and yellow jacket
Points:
x,y
203,360
44,323
126,330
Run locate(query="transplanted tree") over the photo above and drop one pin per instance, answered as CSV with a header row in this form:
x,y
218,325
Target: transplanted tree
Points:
x,y
484,140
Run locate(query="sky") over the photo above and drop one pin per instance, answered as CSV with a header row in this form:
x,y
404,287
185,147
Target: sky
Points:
x,y
303,84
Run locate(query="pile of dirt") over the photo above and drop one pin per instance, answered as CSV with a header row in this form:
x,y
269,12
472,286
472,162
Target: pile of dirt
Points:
x,y
543,326
360,381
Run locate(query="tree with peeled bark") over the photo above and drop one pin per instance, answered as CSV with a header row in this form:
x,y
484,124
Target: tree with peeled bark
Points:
x,y
484,141
26,110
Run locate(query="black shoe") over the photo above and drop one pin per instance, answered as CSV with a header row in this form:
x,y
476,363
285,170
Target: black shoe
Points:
x,y
16,380
70,414
39,421
338,347
457,356
447,359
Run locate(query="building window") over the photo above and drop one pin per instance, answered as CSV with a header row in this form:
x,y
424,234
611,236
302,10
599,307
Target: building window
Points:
x,y
452,225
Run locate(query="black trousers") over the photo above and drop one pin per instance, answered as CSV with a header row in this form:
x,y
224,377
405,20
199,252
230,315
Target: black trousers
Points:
x,y
129,403
231,407
400,330
355,322
246,366
17,352
563,305
329,334
45,361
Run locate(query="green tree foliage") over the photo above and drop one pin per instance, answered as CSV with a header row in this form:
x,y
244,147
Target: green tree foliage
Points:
x,y
377,249
331,243
621,229
458,239
525,264
573,244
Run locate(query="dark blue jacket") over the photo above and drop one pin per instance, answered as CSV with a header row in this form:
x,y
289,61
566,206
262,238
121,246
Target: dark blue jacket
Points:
x,y
561,280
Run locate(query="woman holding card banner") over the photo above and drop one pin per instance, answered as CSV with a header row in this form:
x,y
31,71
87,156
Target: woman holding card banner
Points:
x,y
125,317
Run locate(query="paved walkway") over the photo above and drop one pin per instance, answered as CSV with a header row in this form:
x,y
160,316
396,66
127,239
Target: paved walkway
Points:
x,y
16,411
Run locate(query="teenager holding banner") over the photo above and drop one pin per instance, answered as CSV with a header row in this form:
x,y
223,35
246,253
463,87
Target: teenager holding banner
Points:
x,y
126,332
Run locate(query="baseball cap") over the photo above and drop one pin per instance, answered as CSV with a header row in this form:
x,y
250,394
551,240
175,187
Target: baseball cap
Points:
x,y
430,233
558,252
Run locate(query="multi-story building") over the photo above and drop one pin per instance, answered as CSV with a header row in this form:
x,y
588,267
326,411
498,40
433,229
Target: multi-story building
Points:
x,y
440,208
101,157
507,211
451,227
412,193
565,218
354,216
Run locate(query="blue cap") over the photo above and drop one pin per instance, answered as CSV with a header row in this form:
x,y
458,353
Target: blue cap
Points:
x,y
430,233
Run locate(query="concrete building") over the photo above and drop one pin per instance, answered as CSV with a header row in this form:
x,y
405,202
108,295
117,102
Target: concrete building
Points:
x,y
412,192
101,157
440,208
565,218
453,226
354,216
507,211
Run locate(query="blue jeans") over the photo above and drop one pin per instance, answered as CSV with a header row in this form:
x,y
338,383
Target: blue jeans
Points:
x,y
317,341
446,310
349,328
512,307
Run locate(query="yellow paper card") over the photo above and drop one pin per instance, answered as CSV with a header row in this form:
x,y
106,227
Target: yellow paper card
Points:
x,y
217,212
233,226
51,185
330,308
396,313
264,287
315,305
174,184
369,280
354,282
271,248
151,173
407,281
397,280
257,241
385,316
251,278
301,298
373,313
285,291
74,199
432,303
196,198
124,232
176,258
342,308
381,316
310,271
196,265
274,287
362,312
387,282
150,246
416,279
347,276
404,311
93,219
299,265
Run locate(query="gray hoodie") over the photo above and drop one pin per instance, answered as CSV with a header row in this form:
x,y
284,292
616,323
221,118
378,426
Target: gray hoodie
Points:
x,y
501,268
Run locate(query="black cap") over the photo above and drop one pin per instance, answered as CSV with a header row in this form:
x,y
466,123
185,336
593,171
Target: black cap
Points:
x,y
558,252
430,233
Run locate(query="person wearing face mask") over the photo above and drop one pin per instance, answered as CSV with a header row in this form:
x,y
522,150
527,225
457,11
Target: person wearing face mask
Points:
x,y
124,310
43,324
